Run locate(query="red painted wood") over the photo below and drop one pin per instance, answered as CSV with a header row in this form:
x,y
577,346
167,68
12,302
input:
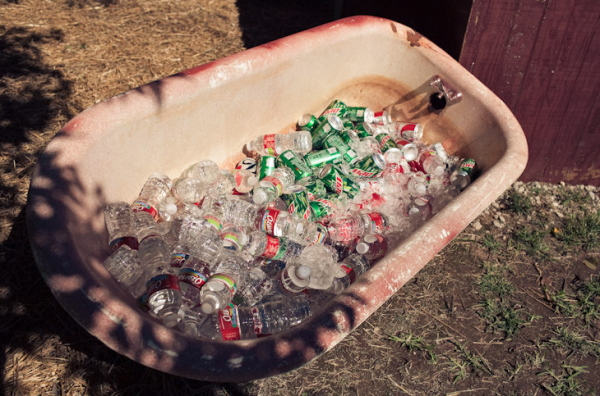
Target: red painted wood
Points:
x,y
542,59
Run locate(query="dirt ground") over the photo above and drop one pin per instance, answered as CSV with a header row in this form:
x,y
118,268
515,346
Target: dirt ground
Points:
x,y
510,307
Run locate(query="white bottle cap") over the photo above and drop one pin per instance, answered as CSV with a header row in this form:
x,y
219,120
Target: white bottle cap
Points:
x,y
303,272
171,209
209,304
421,189
259,197
170,320
362,248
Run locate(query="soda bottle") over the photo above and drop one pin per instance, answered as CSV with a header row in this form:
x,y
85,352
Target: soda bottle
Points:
x,y
154,191
227,276
240,323
372,246
258,285
118,218
347,228
272,186
275,144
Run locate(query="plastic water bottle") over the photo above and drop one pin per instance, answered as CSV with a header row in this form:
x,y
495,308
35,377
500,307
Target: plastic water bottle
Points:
x,y
233,236
372,246
118,218
354,266
227,276
258,285
192,276
347,229
275,144
162,288
169,208
293,279
154,191
245,180
308,233
270,267
323,263
206,170
272,186
263,245
270,220
124,265
189,190
241,323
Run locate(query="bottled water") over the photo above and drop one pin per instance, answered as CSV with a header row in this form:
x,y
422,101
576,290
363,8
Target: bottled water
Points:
x,y
263,245
322,261
169,208
206,170
307,233
275,144
124,266
227,276
154,191
233,236
118,218
270,220
272,186
189,190
293,279
258,285
162,288
245,180
354,266
192,276
346,229
240,323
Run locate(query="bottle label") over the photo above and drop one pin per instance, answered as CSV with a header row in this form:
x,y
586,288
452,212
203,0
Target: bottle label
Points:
x,y
162,282
192,277
269,144
377,223
233,240
272,247
132,242
229,323
178,259
467,166
214,222
257,321
281,249
349,270
227,281
139,206
268,221
276,183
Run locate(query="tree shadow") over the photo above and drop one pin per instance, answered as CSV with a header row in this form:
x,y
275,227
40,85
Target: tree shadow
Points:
x,y
271,19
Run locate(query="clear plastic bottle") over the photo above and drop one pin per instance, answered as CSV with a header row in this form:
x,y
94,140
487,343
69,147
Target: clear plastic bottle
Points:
x,y
270,220
431,162
192,276
258,285
124,265
189,190
272,186
307,233
154,191
323,263
421,207
162,288
263,245
372,247
234,237
120,225
354,266
245,180
206,170
293,279
346,229
275,144
227,276
240,323
169,208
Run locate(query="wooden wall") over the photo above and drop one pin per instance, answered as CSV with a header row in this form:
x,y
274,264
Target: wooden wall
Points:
x,y
542,57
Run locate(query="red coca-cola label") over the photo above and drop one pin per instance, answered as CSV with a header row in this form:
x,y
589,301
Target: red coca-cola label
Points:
x,y
377,223
229,323
269,220
162,282
269,144
272,247
132,242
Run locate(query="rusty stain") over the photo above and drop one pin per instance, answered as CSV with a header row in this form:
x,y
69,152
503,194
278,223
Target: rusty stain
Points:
x,y
394,28
591,174
570,174
413,38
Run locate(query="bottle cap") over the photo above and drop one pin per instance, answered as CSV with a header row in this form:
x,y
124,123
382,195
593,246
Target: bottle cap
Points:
x,y
170,320
303,272
362,248
209,305
171,209
259,197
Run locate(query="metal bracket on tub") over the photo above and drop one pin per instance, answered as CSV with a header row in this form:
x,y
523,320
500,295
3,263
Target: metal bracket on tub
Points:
x,y
446,94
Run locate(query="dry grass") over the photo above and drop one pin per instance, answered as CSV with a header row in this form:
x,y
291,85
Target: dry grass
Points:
x,y
59,57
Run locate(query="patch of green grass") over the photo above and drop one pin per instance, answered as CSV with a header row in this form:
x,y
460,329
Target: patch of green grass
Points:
x,y
415,343
566,383
531,241
501,316
466,363
491,243
573,343
494,281
581,230
570,197
585,304
518,203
